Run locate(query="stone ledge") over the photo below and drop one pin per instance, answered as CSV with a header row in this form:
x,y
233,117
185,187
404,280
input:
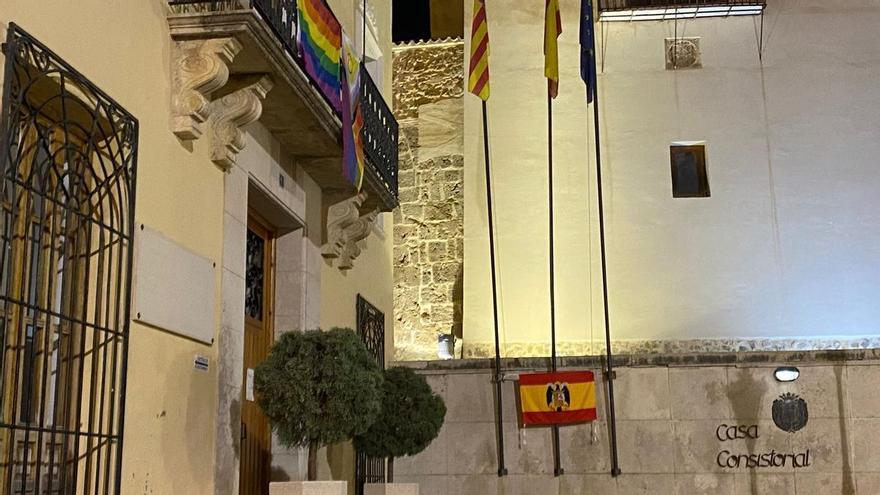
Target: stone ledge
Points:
x,y
649,360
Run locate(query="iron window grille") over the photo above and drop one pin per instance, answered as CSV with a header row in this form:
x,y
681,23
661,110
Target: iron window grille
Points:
x,y
67,184
371,328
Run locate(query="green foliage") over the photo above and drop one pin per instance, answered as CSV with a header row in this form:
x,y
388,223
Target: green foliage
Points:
x,y
411,417
318,386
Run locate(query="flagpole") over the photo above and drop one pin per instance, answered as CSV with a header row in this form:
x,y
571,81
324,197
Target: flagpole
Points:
x,y
609,366
478,84
499,408
557,468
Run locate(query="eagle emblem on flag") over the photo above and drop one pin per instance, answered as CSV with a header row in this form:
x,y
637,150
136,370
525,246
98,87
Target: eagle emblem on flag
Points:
x,y
558,396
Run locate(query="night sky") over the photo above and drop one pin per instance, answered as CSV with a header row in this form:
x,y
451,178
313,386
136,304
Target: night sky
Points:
x,y
412,20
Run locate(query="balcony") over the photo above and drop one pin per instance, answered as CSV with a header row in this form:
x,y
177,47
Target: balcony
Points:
x,y
255,42
658,10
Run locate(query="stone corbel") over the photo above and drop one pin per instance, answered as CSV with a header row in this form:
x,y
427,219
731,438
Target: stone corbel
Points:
x,y
199,68
346,227
232,112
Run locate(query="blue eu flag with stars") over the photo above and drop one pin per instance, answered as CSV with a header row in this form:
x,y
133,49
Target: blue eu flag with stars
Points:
x,y
588,52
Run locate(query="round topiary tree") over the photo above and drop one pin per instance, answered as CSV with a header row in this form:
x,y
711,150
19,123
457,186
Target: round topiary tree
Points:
x,y
411,418
319,388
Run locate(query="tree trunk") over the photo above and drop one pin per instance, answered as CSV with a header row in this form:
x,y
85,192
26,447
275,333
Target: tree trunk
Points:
x,y
390,475
313,461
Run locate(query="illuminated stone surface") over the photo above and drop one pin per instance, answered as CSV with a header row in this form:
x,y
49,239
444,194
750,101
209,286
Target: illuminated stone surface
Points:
x,y
671,410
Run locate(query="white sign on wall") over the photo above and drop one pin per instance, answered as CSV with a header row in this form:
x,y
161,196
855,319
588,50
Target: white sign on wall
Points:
x,y
249,385
173,287
200,363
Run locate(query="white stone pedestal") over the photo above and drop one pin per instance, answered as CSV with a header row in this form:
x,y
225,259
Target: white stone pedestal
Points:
x,y
391,489
309,488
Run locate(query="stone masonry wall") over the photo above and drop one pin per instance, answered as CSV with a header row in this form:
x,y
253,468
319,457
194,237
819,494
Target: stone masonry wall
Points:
x,y
429,224
674,415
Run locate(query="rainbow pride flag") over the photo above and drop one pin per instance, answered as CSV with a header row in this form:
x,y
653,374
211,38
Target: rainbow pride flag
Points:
x,y
320,41
352,118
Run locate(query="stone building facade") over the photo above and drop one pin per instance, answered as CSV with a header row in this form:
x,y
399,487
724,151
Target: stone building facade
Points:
x,y
241,226
429,225
674,414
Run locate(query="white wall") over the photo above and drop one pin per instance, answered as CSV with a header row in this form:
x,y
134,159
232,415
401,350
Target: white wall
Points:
x,y
787,246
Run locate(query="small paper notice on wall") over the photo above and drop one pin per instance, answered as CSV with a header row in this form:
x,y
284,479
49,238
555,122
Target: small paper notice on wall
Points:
x,y
249,388
200,363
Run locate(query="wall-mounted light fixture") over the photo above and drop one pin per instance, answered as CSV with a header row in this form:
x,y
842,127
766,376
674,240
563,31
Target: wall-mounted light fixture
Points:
x,y
786,374
446,346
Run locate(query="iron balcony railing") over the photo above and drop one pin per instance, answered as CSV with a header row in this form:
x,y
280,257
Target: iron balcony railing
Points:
x,y
380,131
605,5
664,10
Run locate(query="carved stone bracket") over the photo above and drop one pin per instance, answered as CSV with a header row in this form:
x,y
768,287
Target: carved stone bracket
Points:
x,y
199,68
232,112
346,227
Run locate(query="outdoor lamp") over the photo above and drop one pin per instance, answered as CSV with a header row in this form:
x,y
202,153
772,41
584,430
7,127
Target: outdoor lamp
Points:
x,y
786,374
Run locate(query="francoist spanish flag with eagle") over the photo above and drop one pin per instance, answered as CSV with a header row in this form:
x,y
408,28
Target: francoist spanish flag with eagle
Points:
x,y
557,398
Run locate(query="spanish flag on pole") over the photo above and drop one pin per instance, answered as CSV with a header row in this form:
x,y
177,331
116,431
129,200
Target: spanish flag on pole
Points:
x,y
552,30
557,398
478,74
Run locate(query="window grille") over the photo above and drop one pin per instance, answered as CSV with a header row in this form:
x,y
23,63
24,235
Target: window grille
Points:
x,y
67,179
371,328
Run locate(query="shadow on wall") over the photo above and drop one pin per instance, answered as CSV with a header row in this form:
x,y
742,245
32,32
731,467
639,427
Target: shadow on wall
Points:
x,y
458,304
747,386
847,486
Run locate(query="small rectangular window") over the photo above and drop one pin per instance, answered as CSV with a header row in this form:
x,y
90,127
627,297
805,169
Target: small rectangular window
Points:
x,y
689,179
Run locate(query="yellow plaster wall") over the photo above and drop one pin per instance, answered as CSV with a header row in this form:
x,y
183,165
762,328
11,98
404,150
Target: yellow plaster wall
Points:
x,y
446,19
518,127
372,272
370,277
123,46
348,11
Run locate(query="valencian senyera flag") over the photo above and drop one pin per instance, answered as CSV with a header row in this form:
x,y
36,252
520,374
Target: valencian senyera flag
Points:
x,y
478,75
588,51
352,117
552,30
319,41
557,398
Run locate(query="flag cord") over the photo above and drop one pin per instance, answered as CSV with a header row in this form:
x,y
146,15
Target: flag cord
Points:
x,y
550,210
364,33
499,407
557,468
609,367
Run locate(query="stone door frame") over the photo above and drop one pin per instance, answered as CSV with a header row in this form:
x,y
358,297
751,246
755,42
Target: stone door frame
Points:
x,y
297,291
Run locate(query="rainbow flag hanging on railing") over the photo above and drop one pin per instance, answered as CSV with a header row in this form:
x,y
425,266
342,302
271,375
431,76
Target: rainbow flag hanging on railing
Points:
x,y
320,41
352,117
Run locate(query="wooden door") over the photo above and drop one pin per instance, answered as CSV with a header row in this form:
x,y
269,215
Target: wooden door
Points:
x,y
258,336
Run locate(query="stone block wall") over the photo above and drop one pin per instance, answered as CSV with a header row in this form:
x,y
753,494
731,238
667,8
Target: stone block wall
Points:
x,y
674,414
429,224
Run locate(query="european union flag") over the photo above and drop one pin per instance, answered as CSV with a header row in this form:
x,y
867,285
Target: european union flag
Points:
x,y
588,52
